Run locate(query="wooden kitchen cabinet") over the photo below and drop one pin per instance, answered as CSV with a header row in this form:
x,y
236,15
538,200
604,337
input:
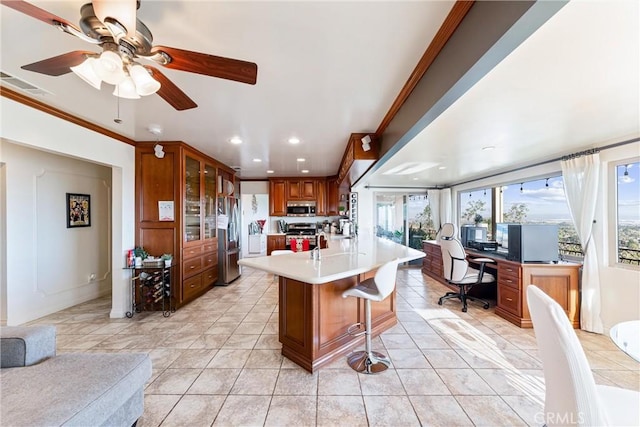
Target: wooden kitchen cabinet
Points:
x,y
277,197
276,242
321,197
188,179
303,189
333,196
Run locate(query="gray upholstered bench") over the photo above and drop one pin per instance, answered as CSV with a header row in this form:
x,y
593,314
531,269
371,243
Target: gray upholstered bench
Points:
x,y
84,389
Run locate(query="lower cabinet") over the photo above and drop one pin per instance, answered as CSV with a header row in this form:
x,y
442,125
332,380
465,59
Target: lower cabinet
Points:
x,y
199,270
276,242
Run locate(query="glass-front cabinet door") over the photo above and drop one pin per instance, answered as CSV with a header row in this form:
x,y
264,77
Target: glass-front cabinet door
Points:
x,y
209,202
192,231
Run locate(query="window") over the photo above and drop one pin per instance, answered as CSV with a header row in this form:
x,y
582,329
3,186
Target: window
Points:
x,y
476,208
404,218
542,201
628,213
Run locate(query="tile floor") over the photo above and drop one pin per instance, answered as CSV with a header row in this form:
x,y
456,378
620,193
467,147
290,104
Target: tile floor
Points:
x,y
217,362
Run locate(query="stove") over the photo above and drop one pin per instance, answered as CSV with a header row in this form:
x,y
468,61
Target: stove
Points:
x,y
301,230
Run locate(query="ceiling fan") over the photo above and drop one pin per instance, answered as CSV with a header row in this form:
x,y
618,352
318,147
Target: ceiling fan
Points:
x,y
113,25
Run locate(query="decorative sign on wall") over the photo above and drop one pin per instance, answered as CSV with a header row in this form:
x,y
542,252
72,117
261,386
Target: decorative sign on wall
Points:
x,y
165,210
78,210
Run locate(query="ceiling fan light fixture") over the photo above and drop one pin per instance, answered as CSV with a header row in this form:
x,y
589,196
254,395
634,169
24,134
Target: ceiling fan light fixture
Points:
x,y
109,67
87,73
122,11
126,89
145,84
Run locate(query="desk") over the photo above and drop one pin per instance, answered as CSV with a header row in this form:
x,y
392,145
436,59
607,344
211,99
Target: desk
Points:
x,y
626,335
560,281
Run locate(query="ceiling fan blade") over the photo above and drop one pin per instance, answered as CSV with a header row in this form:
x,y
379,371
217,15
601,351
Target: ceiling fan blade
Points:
x,y
170,92
36,12
59,65
209,65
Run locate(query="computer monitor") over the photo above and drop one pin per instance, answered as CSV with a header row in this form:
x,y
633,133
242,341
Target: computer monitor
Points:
x,y
502,234
470,233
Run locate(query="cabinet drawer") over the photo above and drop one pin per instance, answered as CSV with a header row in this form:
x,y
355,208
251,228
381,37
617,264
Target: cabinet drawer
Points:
x,y
509,299
210,276
191,286
508,270
191,267
509,281
210,260
191,252
209,247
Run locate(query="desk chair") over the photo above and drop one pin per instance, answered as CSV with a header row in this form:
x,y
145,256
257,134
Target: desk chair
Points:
x,y
456,268
571,394
376,288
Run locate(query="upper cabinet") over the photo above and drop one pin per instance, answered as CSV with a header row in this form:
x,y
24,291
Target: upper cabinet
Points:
x,y
356,160
301,189
192,204
209,202
320,190
277,197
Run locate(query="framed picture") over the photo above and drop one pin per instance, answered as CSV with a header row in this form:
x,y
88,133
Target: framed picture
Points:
x,y
78,210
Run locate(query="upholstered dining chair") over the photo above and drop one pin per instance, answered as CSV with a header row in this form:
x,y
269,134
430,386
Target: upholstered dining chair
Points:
x,y
457,270
571,394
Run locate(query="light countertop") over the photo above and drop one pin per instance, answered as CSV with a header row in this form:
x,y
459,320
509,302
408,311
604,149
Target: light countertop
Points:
x,y
343,258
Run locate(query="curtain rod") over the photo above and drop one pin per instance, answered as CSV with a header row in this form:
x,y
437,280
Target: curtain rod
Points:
x,y
566,157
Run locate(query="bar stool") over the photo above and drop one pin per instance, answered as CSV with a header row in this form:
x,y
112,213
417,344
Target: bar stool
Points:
x,y
376,288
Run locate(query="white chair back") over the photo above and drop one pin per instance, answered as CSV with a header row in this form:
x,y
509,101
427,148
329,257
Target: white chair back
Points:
x,y
570,390
454,258
385,278
448,230
281,252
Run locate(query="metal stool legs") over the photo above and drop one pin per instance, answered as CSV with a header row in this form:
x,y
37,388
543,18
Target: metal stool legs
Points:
x,y
368,361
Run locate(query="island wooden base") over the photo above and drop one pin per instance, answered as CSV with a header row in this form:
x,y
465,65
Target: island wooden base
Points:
x,y
314,320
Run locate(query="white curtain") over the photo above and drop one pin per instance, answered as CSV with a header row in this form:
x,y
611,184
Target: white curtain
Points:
x,y
581,177
440,202
433,198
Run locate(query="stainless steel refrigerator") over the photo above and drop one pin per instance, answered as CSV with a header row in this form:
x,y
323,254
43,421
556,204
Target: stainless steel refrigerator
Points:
x,y
228,240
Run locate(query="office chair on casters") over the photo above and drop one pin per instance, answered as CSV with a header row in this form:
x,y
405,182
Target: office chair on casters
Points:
x,y
456,268
571,394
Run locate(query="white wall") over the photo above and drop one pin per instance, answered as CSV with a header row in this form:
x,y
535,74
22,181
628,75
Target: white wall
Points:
x,y
620,285
32,128
59,260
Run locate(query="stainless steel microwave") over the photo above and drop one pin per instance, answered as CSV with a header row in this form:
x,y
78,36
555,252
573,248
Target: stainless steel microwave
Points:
x,y
301,209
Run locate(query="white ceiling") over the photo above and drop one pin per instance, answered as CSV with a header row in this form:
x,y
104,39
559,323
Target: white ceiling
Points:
x,y
574,84
327,69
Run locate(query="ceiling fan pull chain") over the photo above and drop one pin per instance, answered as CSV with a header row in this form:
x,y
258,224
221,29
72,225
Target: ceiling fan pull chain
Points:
x,y
118,120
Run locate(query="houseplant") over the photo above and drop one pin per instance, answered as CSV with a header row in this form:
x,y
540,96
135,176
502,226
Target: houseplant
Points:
x,y
167,259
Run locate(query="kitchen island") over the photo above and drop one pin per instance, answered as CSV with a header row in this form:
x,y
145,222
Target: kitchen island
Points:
x,y
313,316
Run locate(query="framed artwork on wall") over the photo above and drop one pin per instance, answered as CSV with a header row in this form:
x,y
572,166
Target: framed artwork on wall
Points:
x,y
78,210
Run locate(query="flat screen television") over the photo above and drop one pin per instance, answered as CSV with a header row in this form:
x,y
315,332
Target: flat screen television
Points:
x,y
471,233
533,242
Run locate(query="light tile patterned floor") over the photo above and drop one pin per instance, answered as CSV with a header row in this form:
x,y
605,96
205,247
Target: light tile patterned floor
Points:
x,y
217,362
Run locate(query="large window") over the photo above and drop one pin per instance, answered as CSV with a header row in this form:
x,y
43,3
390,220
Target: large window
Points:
x,y
476,208
404,218
542,201
628,213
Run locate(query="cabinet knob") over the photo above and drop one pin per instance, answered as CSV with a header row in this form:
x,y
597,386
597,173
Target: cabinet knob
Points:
x,y
192,286
509,299
192,267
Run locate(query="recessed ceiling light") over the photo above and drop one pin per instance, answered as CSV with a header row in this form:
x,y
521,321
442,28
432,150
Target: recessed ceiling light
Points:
x,y
269,171
304,171
294,140
415,179
235,140
257,160
301,159
488,148
442,167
